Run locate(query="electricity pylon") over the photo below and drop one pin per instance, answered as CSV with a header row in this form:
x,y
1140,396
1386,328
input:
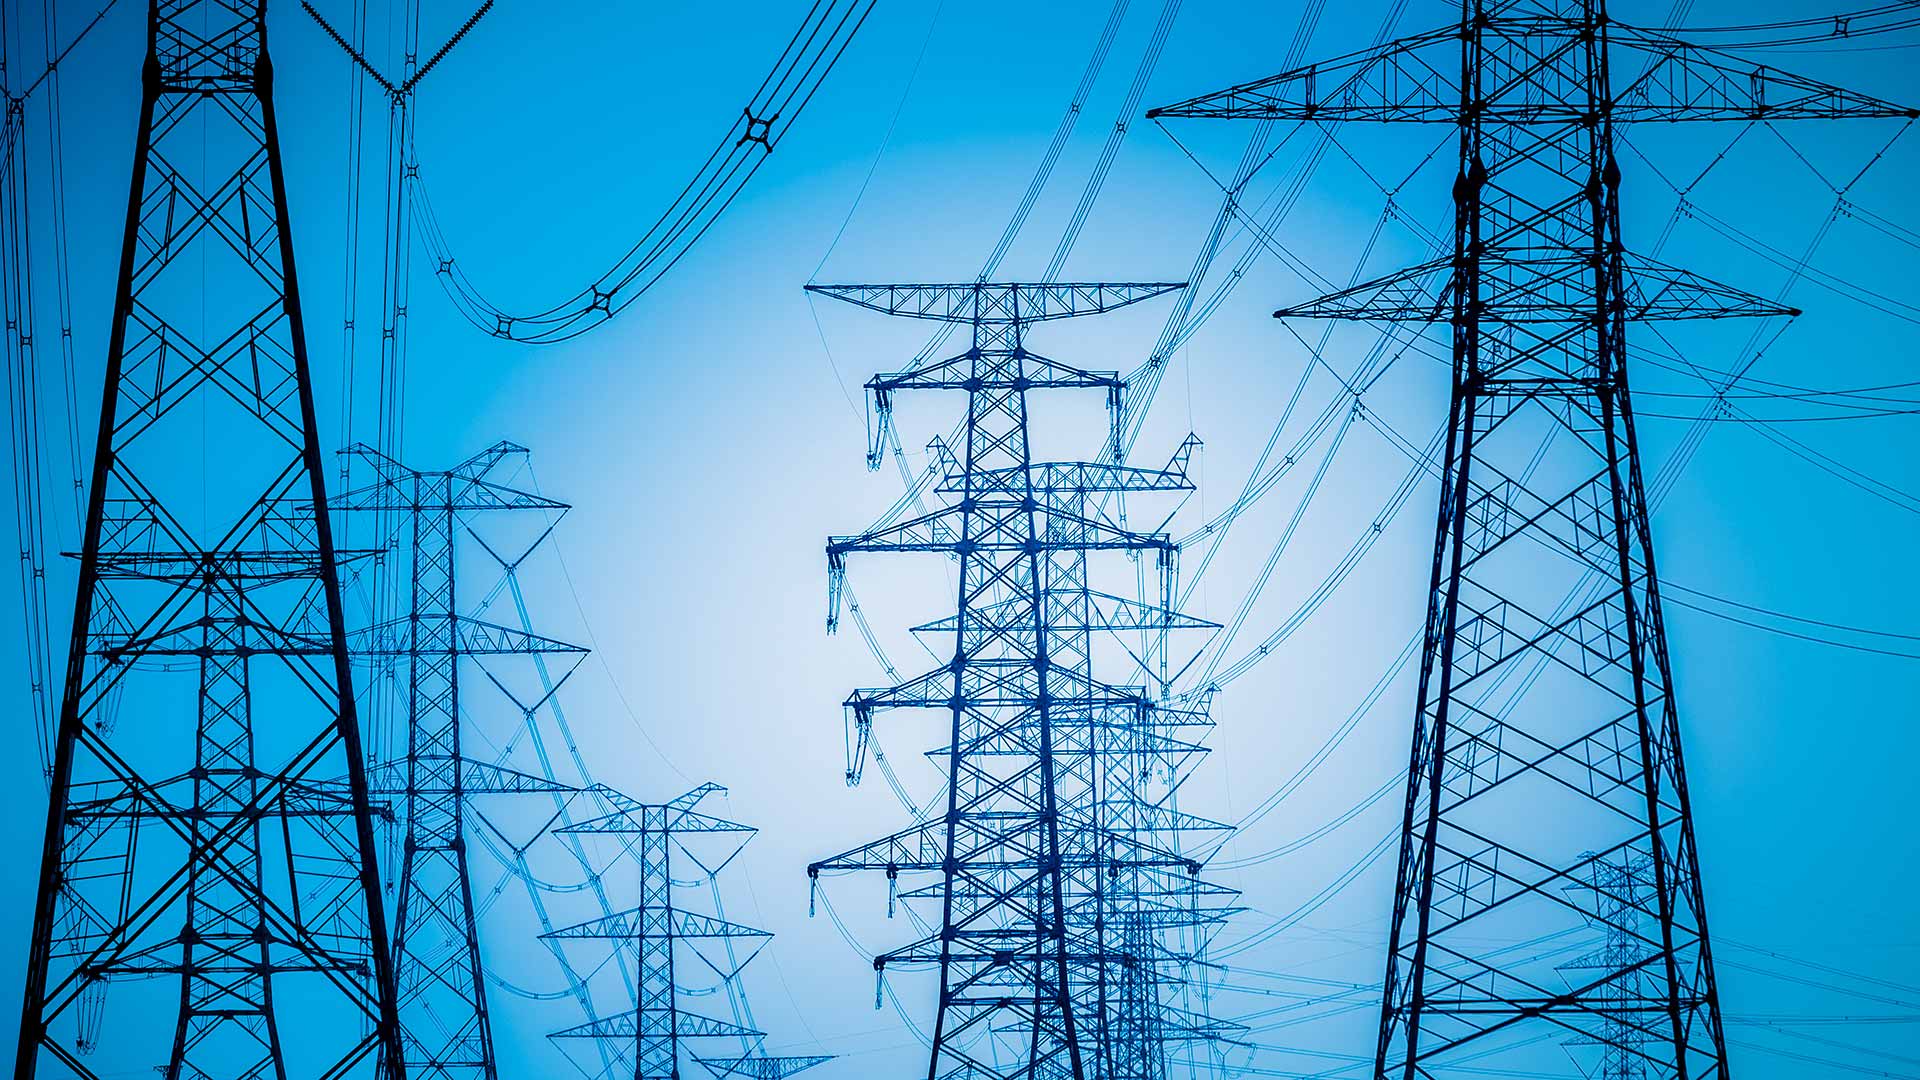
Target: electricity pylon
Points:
x,y
1130,911
209,843
1618,895
460,555
436,948
658,1029
1510,802
1052,874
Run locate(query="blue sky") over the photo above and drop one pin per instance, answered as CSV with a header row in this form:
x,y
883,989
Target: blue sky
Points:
x,y
708,444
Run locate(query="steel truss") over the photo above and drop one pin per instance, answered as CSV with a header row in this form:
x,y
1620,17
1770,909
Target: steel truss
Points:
x,y
657,1029
1059,881
587,833
442,1000
209,841
1543,562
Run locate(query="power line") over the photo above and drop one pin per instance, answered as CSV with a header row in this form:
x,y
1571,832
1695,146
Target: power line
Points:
x,y
803,66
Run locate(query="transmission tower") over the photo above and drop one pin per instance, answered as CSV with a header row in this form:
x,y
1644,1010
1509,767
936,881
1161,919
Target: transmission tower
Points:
x,y
1134,913
209,842
436,949
1056,880
461,539
1618,895
658,1029
1509,803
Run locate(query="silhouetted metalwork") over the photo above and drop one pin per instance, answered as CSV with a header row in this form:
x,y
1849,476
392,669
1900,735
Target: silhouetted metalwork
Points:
x,y
1058,880
489,786
401,173
208,870
436,947
658,1030
1618,898
1516,810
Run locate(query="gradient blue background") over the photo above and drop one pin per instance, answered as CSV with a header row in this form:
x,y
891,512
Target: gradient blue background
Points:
x,y
708,442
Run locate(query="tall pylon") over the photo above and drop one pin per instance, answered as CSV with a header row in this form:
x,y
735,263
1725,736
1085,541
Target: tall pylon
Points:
x,y
438,974
1543,564
209,850
1050,874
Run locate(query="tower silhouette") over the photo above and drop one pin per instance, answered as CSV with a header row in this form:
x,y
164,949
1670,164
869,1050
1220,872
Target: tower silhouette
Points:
x,y
1543,560
487,785
657,1029
1053,876
208,862
438,975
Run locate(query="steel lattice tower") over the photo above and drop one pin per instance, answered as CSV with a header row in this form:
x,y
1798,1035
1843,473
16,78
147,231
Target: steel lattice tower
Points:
x,y
1618,895
209,841
657,1028
433,523
1054,878
436,950
1125,908
1542,563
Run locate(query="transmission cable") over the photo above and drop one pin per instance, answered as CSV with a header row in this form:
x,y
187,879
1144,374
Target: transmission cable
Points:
x,y
1789,24
803,66
27,439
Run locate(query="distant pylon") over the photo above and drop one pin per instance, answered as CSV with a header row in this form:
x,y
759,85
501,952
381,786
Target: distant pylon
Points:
x,y
209,842
657,1030
1619,897
1543,564
459,556
1053,877
436,947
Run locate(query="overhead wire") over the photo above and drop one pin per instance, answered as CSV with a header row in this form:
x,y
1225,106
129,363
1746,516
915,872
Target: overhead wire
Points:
x,y
1879,489
31,445
62,257
1280,545
350,270
1820,30
1790,24
803,66
26,434
1257,483
1116,135
1186,319
1259,477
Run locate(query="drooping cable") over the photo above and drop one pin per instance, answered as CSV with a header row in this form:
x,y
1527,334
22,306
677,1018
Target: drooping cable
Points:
x,y
770,113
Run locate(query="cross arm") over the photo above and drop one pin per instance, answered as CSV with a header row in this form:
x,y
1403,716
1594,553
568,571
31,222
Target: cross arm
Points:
x,y
1417,80
996,302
